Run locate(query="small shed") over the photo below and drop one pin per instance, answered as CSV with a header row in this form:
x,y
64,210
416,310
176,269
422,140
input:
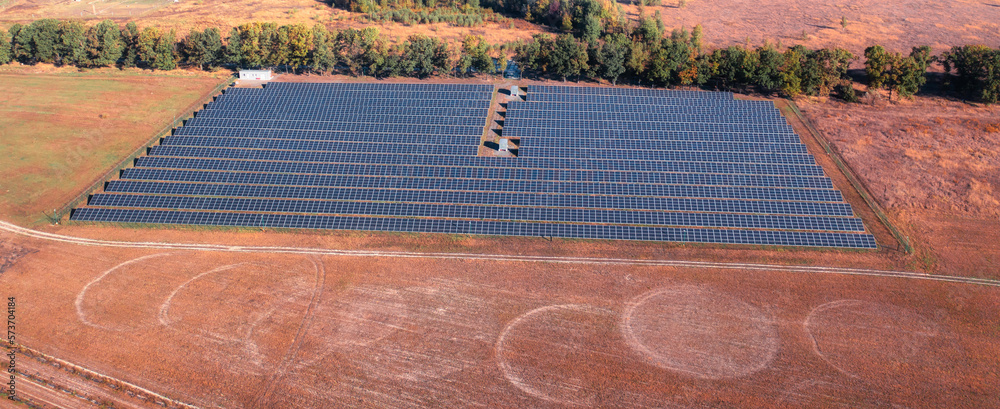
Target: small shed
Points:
x,y
503,145
255,75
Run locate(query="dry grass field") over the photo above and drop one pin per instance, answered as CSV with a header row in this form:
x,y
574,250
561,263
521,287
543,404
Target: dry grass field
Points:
x,y
935,165
61,129
812,23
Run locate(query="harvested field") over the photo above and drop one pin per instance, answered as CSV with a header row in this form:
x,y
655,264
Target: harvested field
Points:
x,y
249,329
61,129
934,165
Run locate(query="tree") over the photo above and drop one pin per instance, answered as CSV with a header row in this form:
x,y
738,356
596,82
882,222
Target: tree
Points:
x,y
612,57
568,57
878,62
977,70
165,57
736,66
203,48
5,56
157,49
300,43
767,75
902,75
104,44
322,57
72,43
146,45
36,42
130,41
427,55
791,71
234,47
360,49
478,52
532,55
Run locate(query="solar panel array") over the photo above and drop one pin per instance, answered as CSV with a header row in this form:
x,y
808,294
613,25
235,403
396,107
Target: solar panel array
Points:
x,y
602,163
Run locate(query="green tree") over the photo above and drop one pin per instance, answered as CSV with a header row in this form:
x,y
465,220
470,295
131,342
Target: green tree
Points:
x,y
976,69
736,66
146,46
104,44
72,43
568,57
130,41
300,44
791,71
203,48
426,54
768,76
878,62
323,57
234,47
165,57
5,56
478,52
360,49
36,42
533,55
613,56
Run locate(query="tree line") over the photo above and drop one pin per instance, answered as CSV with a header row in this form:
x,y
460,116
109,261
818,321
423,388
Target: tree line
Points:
x,y
642,53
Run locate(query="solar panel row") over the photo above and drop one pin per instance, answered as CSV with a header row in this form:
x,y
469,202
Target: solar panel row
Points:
x,y
325,114
557,124
443,160
465,148
608,189
495,213
620,134
661,145
615,232
469,172
485,198
328,136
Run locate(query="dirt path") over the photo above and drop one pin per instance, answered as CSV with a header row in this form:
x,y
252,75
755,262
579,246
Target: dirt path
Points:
x,y
495,257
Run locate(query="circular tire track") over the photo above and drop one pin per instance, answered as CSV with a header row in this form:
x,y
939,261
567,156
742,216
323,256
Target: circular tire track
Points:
x,y
552,352
882,343
699,332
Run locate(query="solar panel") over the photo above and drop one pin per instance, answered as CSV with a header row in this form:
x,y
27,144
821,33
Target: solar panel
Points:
x,y
592,162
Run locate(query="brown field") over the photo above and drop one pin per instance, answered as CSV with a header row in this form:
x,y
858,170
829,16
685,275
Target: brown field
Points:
x,y
238,329
935,166
896,25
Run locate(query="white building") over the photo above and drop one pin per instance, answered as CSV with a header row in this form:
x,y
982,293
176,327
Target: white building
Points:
x,y
255,75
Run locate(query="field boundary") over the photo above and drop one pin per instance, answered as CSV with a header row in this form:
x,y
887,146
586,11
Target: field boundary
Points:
x,y
58,214
857,183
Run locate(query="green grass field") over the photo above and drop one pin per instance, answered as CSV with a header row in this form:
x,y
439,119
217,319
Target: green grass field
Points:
x,y
60,132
